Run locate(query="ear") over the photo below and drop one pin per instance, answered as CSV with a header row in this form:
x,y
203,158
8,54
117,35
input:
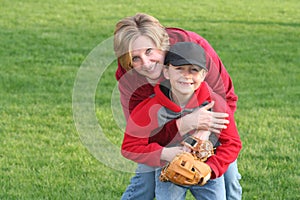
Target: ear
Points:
x,y
166,72
203,74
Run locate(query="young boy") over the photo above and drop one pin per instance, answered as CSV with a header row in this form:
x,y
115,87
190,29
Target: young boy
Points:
x,y
183,92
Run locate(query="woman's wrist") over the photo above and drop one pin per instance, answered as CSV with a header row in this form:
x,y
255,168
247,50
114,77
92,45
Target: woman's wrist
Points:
x,y
184,125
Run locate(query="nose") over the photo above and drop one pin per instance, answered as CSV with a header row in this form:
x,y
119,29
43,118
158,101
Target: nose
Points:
x,y
146,61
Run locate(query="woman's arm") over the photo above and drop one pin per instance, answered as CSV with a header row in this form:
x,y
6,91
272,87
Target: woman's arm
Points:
x,y
202,119
228,151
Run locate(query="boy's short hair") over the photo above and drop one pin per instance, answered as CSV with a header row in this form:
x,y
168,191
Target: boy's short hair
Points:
x,y
186,53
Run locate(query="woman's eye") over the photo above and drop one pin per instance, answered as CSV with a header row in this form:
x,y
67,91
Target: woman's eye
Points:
x,y
135,59
148,50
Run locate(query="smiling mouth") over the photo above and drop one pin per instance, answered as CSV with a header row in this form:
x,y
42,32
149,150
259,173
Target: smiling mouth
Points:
x,y
185,83
152,68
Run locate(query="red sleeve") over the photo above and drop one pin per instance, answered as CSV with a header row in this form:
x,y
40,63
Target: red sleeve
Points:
x,y
167,135
140,151
228,151
140,125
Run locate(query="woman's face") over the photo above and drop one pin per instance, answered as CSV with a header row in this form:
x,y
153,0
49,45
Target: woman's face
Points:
x,y
147,59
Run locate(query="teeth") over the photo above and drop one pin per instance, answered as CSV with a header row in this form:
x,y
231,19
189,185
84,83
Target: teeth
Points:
x,y
183,83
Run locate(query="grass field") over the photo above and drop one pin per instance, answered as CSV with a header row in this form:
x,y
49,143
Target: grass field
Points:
x,y
44,43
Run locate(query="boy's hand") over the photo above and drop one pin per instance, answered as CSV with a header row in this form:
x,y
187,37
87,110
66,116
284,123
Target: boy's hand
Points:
x,y
186,169
169,153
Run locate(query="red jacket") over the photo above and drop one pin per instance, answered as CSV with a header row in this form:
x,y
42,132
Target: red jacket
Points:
x,y
153,113
134,88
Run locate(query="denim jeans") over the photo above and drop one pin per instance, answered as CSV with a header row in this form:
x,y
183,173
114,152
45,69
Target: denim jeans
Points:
x,y
232,184
142,184
213,190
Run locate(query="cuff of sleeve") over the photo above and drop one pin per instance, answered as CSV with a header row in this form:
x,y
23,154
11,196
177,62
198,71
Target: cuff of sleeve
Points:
x,y
214,170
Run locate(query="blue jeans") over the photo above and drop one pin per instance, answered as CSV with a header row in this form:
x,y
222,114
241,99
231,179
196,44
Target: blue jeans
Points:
x,y
232,184
213,190
142,184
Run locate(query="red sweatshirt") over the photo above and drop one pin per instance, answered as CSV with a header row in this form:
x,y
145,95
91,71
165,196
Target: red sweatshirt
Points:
x,y
134,88
152,114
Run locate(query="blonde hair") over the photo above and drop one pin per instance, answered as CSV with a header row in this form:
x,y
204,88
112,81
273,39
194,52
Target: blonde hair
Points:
x,y
129,29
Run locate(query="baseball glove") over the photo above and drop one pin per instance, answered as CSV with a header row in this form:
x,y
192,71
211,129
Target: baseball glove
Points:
x,y
203,149
186,169
189,168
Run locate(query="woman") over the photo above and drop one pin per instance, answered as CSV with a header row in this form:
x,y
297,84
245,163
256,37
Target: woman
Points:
x,y
140,44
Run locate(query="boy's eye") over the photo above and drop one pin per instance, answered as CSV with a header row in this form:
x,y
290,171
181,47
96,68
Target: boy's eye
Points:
x,y
196,69
178,68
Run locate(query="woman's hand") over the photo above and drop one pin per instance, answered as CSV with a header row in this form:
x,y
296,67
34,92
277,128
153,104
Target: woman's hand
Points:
x,y
201,134
169,153
203,119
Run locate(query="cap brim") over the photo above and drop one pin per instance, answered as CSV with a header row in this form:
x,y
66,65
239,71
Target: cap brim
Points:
x,y
180,62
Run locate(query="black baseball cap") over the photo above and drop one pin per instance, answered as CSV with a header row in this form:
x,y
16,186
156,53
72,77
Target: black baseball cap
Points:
x,y
186,53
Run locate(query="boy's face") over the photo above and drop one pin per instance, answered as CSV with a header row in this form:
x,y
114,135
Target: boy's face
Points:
x,y
184,79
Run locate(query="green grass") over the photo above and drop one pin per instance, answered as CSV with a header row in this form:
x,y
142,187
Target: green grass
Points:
x,y
44,43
